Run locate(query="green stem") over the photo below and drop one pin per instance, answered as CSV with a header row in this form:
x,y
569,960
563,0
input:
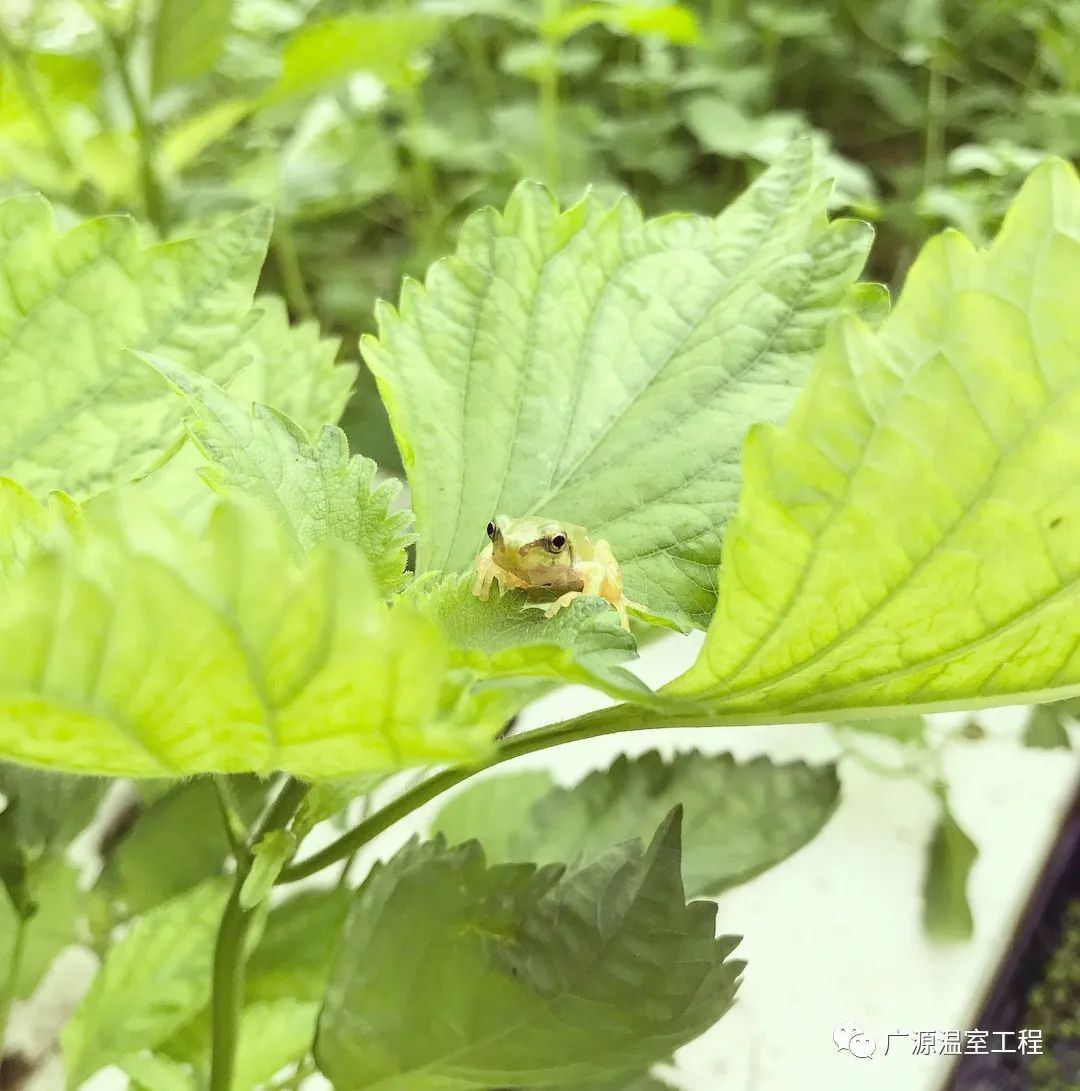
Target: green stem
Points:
x,y
549,96
934,147
292,275
229,952
152,193
423,176
11,982
235,830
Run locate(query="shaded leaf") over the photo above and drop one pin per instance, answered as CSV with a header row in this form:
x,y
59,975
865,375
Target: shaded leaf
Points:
x,y
1045,728
503,638
741,819
271,1036
520,977
950,857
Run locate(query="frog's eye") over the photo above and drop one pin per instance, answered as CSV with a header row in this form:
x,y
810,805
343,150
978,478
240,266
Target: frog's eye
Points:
x,y
558,542
491,530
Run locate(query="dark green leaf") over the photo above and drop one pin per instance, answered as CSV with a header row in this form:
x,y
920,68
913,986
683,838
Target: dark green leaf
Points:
x,y
1045,728
951,854
740,819
521,976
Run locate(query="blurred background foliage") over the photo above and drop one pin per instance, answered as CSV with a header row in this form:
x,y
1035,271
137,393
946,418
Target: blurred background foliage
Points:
x,y
375,128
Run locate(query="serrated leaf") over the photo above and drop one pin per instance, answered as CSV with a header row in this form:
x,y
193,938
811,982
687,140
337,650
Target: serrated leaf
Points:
x,y
950,857
741,819
504,638
494,811
271,854
520,977
152,981
323,54
650,344
25,524
1045,729
909,537
188,37
316,489
293,956
84,297
249,661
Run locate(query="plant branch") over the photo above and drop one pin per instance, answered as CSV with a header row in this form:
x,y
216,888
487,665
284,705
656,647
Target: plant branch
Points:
x,y
152,193
229,952
283,243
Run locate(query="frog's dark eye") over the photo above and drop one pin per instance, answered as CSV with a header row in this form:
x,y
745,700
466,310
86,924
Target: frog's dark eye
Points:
x,y
491,530
558,542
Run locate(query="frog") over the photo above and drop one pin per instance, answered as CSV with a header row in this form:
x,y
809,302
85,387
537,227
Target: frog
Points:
x,y
534,552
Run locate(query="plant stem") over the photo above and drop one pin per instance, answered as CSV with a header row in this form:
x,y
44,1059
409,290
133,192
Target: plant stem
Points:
x,y
11,982
152,193
229,951
292,275
235,830
934,147
549,96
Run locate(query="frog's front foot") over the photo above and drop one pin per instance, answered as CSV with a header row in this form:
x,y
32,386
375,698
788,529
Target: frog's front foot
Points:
x,y
485,573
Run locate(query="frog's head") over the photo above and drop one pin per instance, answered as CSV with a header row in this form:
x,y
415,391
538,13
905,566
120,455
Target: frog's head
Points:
x,y
530,547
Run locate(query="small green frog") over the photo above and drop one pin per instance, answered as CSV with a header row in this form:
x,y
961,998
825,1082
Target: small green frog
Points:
x,y
536,552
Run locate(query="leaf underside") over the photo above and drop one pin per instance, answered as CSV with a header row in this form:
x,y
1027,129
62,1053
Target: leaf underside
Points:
x,y
910,536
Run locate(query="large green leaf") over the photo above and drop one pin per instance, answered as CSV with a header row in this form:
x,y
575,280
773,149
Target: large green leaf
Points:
x,y
740,819
600,368
911,536
520,977
152,981
498,639
316,489
248,661
77,411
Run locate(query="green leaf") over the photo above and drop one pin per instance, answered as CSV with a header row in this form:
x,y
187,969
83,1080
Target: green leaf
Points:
x,y
519,976
151,1072
909,537
152,981
740,819
501,638
329,798
25,524
316,490
1045,728
84,297
323,54
177,842
293,956
188,37
950,857
57,923
495,811
249,662
651,344
672,22
50,808
272,853
272,1036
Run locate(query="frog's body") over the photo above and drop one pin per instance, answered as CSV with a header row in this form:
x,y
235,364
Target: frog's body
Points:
x,y
534,552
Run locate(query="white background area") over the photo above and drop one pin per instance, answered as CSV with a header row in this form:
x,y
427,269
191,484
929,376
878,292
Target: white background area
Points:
x,y
832,935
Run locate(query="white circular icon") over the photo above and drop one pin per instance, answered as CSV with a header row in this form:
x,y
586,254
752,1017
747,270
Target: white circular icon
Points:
x,y
843,1034
862,1045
